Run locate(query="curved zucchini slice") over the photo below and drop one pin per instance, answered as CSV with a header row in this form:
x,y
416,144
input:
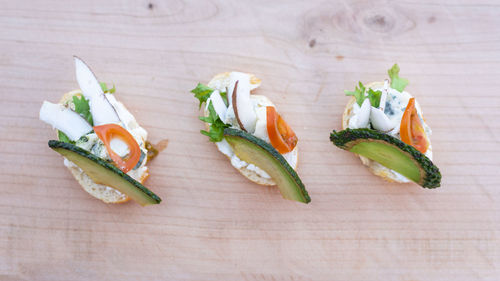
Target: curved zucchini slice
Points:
x,y
104,173
391,153
258,152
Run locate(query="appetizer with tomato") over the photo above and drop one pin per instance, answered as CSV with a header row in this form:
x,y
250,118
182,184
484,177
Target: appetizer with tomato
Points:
x,y
103,146
384,125
248,129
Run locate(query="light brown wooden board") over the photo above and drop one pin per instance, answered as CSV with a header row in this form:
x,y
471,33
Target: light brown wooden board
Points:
x,y
213,224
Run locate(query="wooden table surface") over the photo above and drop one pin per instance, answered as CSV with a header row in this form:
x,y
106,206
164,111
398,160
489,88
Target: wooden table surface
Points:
x,y
213,224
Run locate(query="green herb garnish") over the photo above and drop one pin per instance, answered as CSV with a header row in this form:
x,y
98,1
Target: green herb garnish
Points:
x,y
358,93
63,137
224,98
374,97
82,107
105,89
202,93
216,128
397,82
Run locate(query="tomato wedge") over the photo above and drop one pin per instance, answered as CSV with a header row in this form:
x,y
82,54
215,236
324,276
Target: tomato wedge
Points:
x,y
108,132
280,134
411,130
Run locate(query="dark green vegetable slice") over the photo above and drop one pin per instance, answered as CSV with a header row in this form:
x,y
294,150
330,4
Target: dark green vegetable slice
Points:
x,y
102,172
391,153
258,152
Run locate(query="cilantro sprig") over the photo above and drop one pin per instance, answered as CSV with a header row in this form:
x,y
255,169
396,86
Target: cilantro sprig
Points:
x,y
360,94
397,82
82,107
105,89
374,97
224,98
63,137
216,126
202,93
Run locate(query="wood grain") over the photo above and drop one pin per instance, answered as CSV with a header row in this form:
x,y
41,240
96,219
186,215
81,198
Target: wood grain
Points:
x,y
213,224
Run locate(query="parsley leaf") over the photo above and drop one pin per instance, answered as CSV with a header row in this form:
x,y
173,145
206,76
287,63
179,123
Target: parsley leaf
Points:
x,y
397,82
63,137
105,89
216,126
374,97
216,131
358,93
202,93
224,98
82,107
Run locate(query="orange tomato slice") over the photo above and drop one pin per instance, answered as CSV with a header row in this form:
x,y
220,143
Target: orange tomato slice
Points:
x,y
280,133
411,130
108,132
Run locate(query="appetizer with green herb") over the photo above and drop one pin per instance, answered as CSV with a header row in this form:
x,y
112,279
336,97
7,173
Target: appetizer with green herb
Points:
x,y
102,144
384,125
249,131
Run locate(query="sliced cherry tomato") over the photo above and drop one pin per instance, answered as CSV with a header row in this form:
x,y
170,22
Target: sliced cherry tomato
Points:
x,y
411,130
280,134
108,132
